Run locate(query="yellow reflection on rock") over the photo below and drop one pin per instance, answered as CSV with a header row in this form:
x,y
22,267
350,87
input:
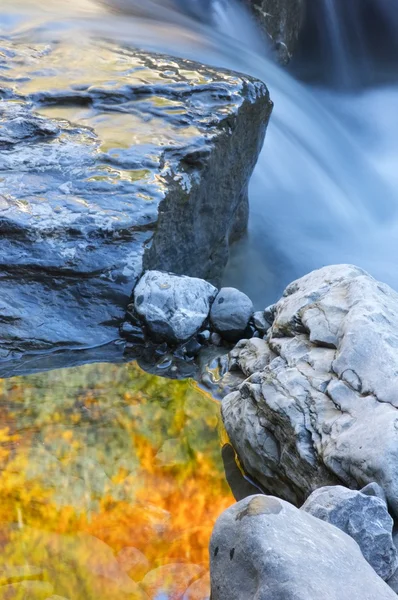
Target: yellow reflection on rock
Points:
x,y
111,481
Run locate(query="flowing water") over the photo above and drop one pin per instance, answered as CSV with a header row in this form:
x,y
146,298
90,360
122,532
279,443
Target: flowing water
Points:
x,y
108,473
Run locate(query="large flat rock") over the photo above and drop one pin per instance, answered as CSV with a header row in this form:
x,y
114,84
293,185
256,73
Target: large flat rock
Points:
x,y
317,401
112,160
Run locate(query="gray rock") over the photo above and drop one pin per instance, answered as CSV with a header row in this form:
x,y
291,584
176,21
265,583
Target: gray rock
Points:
x,y
269,313
250,356
265,548
260,322
393,581
132,333
323,409
216,339
373,489
173,307
204,336
230,313
363,517
137,161
281,21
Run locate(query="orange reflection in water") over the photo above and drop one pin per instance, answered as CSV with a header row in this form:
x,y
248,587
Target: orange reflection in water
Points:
x,y
110,483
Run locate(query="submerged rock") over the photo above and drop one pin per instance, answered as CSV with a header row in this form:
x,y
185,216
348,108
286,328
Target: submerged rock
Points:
x,y
320,406
265,548
230,313
363,517
134,161
281,20
173,307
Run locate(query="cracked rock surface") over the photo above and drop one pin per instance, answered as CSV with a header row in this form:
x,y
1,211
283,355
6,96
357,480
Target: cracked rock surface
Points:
x,y
315,403
112,161
265,548
363,517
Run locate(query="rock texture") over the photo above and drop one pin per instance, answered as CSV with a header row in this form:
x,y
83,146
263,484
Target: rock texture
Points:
x,y
173,307
318,402
230,313
281,20
112,161
365,518
265,548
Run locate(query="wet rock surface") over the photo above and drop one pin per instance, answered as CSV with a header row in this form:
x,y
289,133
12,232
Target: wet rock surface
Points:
x,y
230,313
263,547
363,517
281,20
179,326
173,308
317,404
112,161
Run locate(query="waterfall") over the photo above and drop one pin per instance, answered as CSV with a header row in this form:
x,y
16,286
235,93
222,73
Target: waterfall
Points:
x,y
350,43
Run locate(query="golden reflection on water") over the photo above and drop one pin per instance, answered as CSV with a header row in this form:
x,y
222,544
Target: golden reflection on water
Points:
x,y
109,477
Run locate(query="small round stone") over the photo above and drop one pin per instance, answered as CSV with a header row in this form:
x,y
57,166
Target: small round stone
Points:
x,y
230,313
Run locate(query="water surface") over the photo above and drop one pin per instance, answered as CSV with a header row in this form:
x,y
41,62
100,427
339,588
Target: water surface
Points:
x,y
106,473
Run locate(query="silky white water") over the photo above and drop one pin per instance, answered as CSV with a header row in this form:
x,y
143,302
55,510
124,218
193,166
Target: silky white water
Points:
x,y
325,189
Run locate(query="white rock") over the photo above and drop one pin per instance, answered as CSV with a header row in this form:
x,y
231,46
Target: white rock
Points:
x,y
173,307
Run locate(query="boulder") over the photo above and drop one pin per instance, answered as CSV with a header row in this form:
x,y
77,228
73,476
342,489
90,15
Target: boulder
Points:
x,y
263,547
230,313
363,517
135,161
173,307
321,408
281,21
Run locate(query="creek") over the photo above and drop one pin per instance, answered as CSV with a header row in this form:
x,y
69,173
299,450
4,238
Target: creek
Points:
x,y
108,473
